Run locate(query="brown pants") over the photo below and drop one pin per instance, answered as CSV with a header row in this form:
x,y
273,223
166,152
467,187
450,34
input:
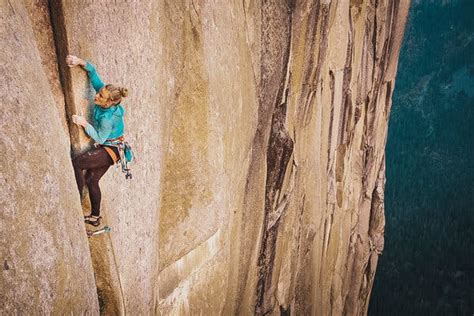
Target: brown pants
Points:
x,y
95,163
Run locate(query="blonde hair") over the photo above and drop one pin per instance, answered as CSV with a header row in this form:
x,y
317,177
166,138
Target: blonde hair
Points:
x,y
115,94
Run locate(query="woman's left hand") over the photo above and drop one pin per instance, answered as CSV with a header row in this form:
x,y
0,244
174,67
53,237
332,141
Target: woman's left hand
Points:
x,y
79,120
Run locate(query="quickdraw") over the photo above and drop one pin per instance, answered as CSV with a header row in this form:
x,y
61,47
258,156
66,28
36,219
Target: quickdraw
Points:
x,y
123,160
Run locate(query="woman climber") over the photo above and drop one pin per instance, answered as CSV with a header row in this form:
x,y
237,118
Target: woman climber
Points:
x,y
107,131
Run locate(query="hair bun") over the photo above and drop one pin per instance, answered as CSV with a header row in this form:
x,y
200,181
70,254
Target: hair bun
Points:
x,y
124,92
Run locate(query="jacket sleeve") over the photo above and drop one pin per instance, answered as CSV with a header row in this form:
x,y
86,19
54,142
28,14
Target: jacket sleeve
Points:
x,y
102,133
94,77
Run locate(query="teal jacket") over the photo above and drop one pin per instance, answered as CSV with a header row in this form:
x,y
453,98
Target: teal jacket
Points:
x,y
108,123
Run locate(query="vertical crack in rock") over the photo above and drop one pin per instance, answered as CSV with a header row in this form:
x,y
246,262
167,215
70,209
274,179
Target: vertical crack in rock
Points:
x,y
308,89
346,109
374,35
60,41
305,237
319,14
279,152
332,81
108,284
376,236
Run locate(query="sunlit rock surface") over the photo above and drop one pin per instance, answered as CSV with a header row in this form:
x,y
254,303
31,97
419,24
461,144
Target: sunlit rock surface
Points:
x,y
259,130
45,260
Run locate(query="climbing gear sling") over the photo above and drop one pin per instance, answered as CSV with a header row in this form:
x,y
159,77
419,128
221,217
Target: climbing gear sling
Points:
x,y
125,153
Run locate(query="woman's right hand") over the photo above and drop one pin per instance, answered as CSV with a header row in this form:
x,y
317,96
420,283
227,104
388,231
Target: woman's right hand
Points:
x,y
73,61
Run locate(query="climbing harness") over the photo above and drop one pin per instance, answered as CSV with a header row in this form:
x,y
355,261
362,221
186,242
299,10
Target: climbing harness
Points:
x,y
125,153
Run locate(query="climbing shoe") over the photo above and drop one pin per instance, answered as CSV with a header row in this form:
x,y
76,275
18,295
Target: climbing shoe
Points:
x,y
92,220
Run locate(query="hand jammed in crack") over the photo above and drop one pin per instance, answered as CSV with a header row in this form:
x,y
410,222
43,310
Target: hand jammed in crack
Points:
x,y
79,120
73,61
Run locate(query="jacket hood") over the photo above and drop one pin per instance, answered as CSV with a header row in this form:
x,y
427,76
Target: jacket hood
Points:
x,y
116,110
119,110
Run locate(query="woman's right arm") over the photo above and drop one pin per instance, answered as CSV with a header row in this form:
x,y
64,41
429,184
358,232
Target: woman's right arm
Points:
x,y
73,61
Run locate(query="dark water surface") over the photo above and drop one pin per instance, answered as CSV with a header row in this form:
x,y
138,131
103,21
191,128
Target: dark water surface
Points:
x,y
427,264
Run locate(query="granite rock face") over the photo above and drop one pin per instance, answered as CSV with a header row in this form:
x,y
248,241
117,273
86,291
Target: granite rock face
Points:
x,y
46,264
259,129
